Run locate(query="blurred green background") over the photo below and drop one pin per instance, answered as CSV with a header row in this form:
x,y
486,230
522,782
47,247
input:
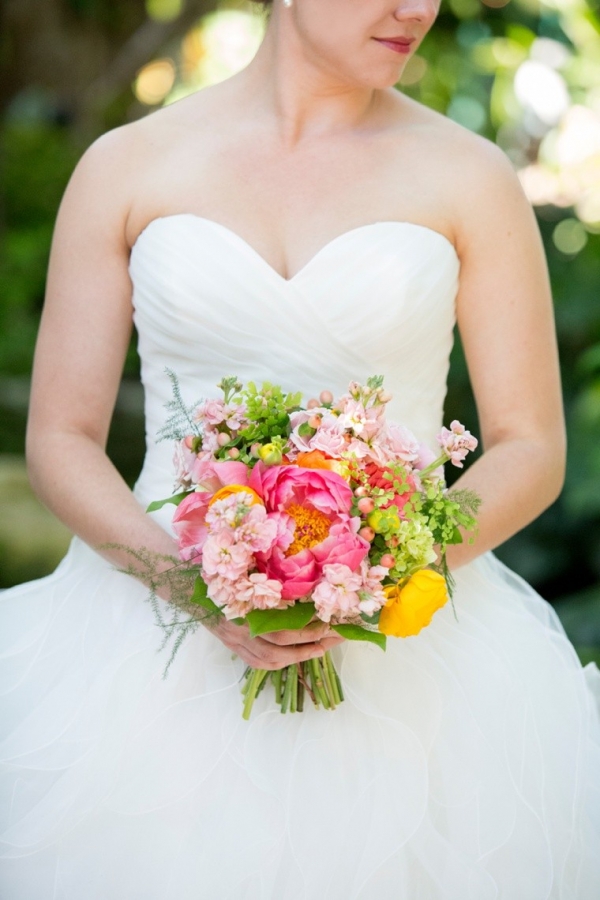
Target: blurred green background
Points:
x,y
524,73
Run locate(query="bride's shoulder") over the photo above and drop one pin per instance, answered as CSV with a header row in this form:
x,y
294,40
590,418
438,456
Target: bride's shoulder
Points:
x,y
447,145
141,163
474,180
157,132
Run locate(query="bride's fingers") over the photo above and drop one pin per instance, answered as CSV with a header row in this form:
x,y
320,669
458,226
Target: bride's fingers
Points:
x,y
313,632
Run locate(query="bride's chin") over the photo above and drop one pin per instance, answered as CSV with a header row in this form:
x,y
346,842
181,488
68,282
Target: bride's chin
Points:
x,y
377,79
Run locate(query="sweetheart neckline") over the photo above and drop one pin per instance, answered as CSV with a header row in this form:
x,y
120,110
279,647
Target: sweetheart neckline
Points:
x,y
317,255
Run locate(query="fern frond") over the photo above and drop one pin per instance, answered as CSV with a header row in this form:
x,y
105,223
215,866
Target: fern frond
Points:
x,y
181,422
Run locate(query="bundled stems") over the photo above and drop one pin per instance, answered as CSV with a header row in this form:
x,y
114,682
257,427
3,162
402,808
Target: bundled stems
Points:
x,y
317,677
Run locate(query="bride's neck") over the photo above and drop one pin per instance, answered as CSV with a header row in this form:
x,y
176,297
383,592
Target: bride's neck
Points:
x,y
304,97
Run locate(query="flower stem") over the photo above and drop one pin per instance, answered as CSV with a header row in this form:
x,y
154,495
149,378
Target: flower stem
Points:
x,y
422,473
329,682
333,678
317,682
254,683
291,676
300,687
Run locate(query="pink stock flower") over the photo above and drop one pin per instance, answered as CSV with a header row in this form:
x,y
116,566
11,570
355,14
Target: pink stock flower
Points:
x,y
222,555
258,530
211,412
456,442
227,513
372,596
336,595
363,422
215,412
238,598
183,461
210,442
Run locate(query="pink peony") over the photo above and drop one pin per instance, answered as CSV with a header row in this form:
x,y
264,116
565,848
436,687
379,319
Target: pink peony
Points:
x,y
283,486
189,523
298,572
212,474
316,504
343,546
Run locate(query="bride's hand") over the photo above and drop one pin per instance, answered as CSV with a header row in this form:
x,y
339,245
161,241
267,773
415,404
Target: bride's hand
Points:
x,y
277,649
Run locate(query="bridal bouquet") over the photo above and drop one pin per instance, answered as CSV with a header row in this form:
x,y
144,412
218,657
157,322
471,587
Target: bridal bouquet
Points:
x,y
288,514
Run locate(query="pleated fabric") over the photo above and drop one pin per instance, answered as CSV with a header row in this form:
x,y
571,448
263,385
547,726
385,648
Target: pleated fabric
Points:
x,y
464,763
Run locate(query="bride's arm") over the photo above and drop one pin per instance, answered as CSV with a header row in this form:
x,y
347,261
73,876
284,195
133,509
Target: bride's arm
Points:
x,y
506,323
84,334
83,338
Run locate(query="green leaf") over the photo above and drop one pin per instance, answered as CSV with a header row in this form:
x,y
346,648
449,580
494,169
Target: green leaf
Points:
x,y
263,621
356,633
175,499
456,537
202,599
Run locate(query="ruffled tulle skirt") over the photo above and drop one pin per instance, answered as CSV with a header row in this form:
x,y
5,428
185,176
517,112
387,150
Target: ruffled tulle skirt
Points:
x,y
463,765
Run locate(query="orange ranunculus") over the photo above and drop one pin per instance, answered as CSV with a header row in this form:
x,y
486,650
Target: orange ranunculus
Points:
x,y
230,489
411,607
316,459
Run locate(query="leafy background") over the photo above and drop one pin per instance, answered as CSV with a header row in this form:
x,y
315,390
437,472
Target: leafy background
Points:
x,y
524,73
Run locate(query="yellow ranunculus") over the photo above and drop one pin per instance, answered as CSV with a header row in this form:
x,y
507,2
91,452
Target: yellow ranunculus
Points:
x,y
230,489
270,454
411,607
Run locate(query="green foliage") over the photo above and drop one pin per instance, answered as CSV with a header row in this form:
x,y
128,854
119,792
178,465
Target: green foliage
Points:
x,y
358,633
263,621
268,410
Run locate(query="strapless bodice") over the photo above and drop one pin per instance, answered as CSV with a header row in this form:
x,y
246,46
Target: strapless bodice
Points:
x,y
379,299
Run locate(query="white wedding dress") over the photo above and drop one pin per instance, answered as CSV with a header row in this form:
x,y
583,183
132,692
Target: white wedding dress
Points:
x,y
464,763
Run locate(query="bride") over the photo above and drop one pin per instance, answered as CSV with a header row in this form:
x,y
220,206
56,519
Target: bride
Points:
x,y
306,223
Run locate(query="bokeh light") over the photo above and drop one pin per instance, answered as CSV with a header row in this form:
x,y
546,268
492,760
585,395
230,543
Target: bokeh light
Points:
x,y
154,81
223,43
164,10
414,70
543,90
570,237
